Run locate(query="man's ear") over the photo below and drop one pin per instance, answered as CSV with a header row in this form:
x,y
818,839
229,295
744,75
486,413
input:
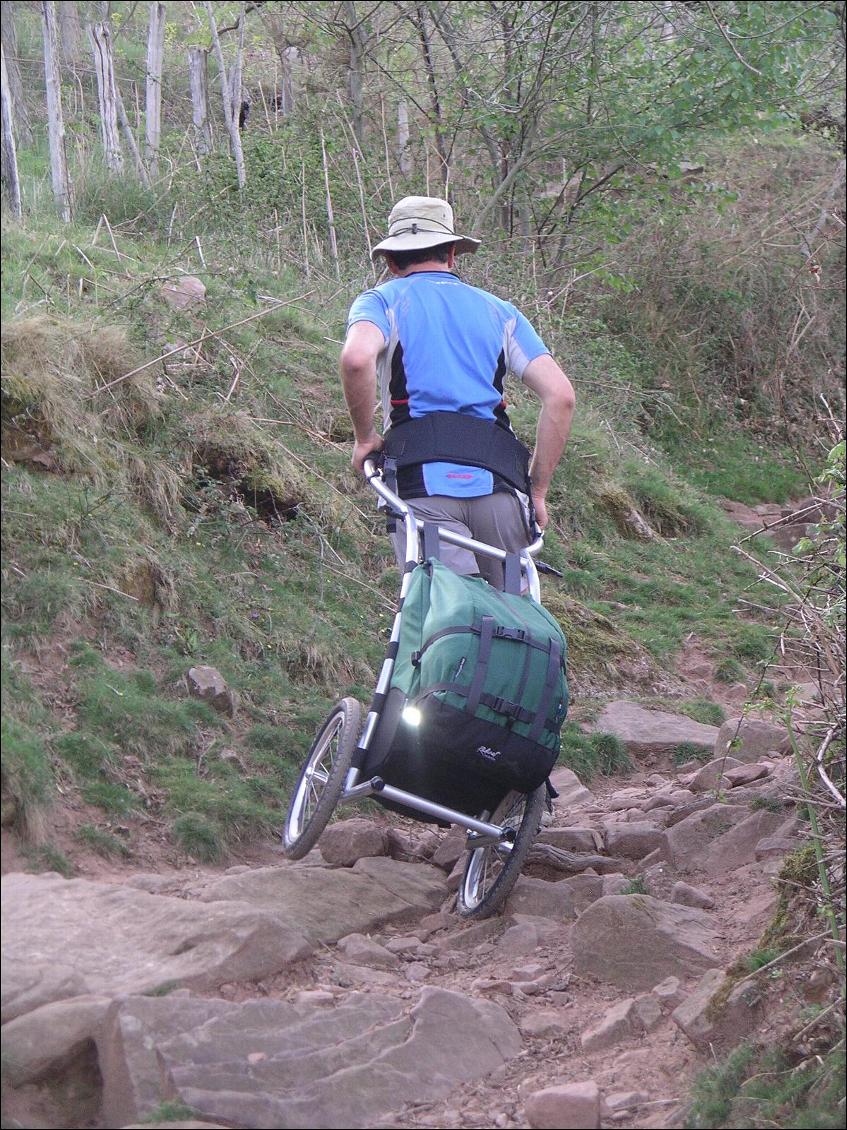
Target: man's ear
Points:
x,y
392,266
451,256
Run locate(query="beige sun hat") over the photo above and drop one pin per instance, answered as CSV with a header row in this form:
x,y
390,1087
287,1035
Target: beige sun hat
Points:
x,y
417,222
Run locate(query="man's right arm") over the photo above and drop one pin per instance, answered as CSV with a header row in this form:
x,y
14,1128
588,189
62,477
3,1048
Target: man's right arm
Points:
x,y
558,400
363,345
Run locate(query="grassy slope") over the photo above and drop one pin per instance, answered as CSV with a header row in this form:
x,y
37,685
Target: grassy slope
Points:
x,y
161,524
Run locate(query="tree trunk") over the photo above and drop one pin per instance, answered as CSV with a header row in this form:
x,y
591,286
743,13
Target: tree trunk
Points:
x,y
129,137
104,68
153,103
198,81
330,215
355,70
287,54
20,116
55,119
10,154
70,31
404,153
230,113
435,98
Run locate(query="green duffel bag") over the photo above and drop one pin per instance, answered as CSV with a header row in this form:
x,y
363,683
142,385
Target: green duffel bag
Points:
x,y
478,694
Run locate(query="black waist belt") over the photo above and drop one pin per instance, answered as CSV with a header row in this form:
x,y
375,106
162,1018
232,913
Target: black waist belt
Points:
x,y
452,437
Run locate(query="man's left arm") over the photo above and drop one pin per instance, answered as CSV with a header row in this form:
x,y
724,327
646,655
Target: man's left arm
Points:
x,y
362,347
556,393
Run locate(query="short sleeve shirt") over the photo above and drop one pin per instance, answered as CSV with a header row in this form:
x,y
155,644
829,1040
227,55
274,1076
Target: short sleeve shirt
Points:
x,y
448,347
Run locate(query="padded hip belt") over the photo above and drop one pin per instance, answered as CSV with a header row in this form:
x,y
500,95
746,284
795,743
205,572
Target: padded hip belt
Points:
x,y
453,437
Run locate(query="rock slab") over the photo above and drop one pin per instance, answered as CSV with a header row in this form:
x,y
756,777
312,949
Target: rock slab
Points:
x,y
71,937
269,1063
652,732
635,941
325,905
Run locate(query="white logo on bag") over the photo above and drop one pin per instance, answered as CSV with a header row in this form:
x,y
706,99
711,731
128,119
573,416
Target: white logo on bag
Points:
x,y
488,753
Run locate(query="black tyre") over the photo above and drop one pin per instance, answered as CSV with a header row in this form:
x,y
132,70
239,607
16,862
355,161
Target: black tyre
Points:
x,y
321,779
490,872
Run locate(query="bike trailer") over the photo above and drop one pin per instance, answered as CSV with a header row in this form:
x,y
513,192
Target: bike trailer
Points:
x,y
477,697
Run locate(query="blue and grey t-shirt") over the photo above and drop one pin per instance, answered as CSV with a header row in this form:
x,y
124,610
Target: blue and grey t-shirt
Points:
x,y
448,347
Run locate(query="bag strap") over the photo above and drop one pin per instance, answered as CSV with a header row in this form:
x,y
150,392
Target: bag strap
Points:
x,y
512,574
431,542
486,635
554,666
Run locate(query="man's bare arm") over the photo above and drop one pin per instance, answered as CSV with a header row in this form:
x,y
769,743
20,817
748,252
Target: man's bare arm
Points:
x,y
558,400
363,345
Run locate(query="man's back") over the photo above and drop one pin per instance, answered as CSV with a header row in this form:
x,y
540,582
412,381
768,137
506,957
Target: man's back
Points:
x,y
448,345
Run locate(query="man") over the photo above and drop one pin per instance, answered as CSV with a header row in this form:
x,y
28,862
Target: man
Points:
x,y
440,349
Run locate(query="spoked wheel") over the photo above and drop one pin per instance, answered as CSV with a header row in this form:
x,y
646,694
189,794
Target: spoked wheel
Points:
x,y
490,872
321,780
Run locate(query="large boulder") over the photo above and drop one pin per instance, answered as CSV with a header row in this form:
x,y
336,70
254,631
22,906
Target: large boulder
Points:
x,y
713,775
737,847
40,1044
719,1014
635,941
269,1063
689,839
542,899
650,733
571,790
66,938
634,840
750,739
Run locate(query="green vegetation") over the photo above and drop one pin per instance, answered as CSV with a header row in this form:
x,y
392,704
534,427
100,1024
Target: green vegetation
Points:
x,y
171,1112
761,1087
104,843
636,886
591,754
690,751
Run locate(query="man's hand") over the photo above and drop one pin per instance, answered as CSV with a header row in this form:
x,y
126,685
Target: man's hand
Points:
x,y
540,507
363,448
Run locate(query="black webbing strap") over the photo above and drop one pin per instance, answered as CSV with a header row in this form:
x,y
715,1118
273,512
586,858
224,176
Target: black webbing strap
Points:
x,y
431,543
454,437
527,663
486,635
503,706
554,664
512,574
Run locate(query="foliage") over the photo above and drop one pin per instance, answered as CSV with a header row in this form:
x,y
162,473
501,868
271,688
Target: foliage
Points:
x,y
759,1087
591,754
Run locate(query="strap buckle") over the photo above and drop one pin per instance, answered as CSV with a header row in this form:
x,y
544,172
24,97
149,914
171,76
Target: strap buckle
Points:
x,y
503,633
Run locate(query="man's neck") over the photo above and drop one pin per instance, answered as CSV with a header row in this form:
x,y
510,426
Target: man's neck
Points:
x,y
416,268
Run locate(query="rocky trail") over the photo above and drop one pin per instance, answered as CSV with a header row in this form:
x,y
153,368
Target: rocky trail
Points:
x,y
344,991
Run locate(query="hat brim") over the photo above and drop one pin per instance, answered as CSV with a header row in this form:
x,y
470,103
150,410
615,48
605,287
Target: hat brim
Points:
x,y
419,241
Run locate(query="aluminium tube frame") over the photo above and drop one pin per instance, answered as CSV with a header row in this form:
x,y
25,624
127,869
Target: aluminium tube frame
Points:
x,y
480,832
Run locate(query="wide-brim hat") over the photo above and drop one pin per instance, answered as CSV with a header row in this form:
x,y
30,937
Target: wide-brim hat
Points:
x,y
417,222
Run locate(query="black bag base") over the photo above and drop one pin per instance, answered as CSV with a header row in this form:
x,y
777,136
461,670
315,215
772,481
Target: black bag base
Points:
x,y
451,759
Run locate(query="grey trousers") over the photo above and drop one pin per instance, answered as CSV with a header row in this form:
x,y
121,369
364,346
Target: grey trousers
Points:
x,y
500,519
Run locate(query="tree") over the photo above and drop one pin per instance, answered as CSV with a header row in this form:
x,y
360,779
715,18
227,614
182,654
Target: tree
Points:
x,y
230,112
62,189
198,81
10,156
153,100
20,114
104,69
